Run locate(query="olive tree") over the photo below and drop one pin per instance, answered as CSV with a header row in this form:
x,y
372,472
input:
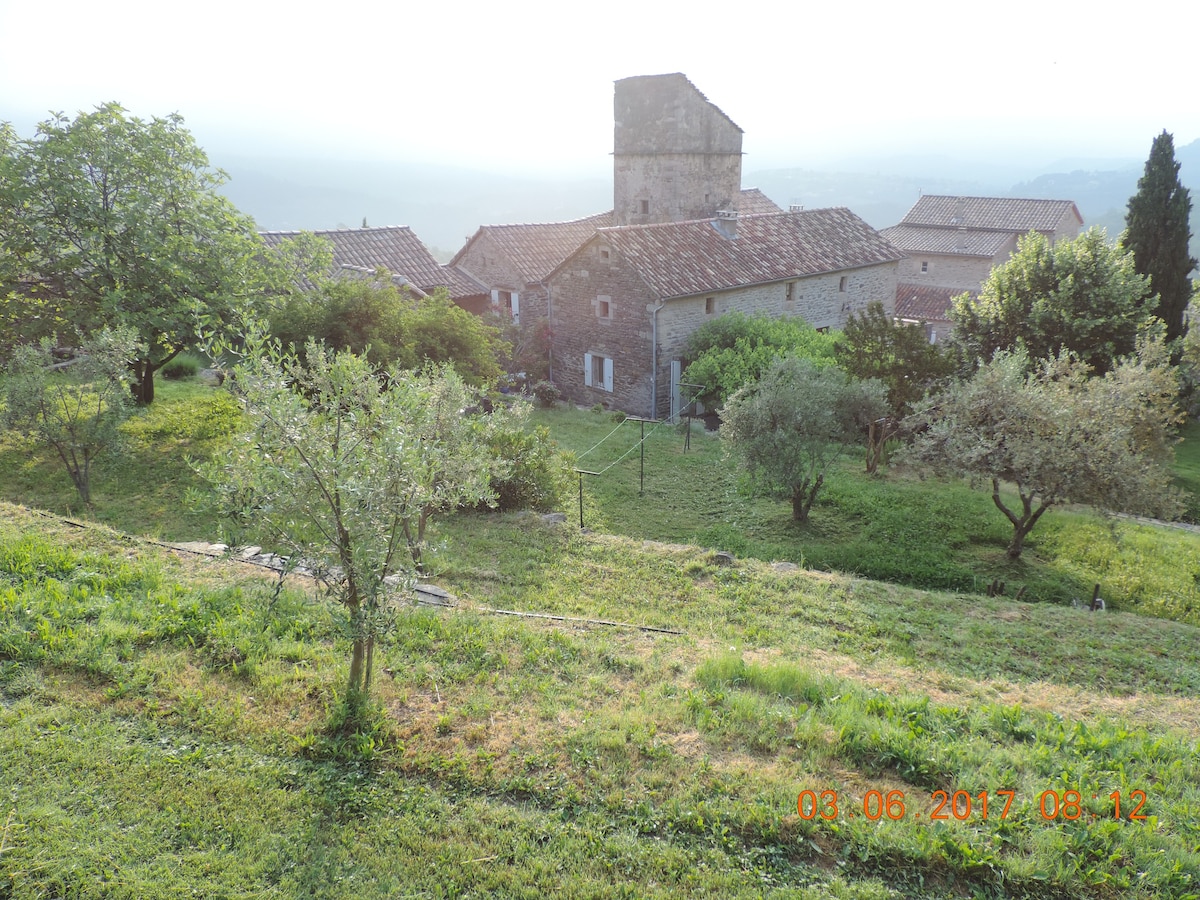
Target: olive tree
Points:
x,y
1057,434
342,467
790,425
73,406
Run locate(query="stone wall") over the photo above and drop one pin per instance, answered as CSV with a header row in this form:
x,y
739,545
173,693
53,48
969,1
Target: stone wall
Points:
x,y
961,273
580,290
483,259
676,156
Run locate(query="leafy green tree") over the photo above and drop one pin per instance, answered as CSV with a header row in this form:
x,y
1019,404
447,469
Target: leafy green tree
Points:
x,y
874,345
372,316
734,350
793,422
74,407
1157,233
118,222
1057,435
343,469
1081,295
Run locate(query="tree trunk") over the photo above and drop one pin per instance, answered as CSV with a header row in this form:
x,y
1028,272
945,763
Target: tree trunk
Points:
x,y
358,659
1022,524
143,384
803,496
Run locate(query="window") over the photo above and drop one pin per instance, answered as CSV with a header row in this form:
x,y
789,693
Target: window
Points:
x,y
644,207
790,296
598,372
842,284
924,266
710,305
604,253
604,306
510,302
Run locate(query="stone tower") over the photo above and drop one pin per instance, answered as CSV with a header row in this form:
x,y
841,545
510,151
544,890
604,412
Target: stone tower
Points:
x,y
676,156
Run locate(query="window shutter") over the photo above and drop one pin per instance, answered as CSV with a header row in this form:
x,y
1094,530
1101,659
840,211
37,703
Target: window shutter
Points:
x,y
608,375
587,370
516,308
495,297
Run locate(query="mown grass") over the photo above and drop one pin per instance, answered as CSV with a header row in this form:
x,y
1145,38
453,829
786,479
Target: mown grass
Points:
x,y
161,731
142,488
1187,469
163,719
897,527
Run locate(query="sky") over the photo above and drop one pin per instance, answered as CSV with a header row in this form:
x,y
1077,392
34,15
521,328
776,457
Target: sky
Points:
x,y
526,85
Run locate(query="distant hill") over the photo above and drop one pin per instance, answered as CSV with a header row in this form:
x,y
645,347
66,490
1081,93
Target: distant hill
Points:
x,y
445,205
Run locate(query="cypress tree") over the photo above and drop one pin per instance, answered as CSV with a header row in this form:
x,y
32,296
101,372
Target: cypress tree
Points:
x,y
1157,231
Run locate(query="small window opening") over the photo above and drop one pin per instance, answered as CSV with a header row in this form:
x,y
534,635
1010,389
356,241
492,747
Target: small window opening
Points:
x,y
790,296
842,284
924,266
604,253
603,307
645,207
710,305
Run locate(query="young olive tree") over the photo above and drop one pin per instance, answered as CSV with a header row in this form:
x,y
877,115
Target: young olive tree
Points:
x,y
789,426
342,467
75,407
1057,434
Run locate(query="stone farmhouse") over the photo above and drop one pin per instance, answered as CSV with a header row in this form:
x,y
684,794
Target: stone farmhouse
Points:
x,y
681,250
515,260
952,243
625,303
361,251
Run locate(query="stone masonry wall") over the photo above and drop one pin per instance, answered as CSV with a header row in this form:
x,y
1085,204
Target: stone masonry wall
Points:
x,y
674,187
818,299
962,273
623,336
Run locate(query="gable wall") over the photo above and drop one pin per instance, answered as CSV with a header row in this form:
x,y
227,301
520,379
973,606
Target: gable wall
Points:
x,y
492,266
624,337
964,273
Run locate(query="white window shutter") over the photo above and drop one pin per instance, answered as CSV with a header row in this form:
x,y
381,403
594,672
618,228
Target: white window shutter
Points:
x,y
608,375
587,370
495,297
516,308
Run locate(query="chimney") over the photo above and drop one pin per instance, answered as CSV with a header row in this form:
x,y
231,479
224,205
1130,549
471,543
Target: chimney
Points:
x,y
726,222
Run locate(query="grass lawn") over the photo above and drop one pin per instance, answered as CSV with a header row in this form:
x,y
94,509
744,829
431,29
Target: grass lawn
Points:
x,y
163,718
161,732
894,527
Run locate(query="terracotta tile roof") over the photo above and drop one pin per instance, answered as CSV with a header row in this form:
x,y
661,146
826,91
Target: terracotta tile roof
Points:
x,y
925,303
395,248
754,202
678,259
536,249
963,242
990,213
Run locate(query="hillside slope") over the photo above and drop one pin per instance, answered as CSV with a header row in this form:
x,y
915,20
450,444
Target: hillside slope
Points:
x,y
162,731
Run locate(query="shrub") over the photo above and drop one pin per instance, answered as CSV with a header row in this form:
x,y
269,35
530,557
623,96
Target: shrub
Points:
x,y
390,327
546,393
185,365
735,349
528,470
